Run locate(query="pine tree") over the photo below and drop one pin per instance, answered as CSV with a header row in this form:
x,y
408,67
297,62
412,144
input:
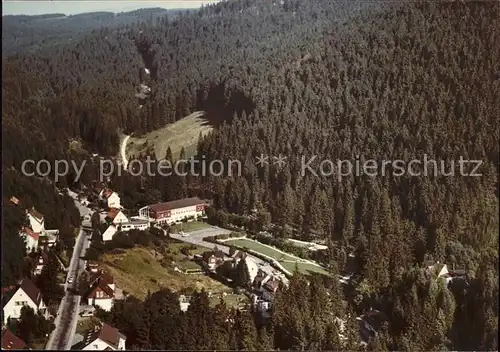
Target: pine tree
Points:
x,y
143,331
169,155
242,273
331,340
48,282
265,340
221,327
246,331
182,154
198,321
378,344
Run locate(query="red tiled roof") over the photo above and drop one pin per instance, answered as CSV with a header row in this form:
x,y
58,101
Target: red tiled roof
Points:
x,y
106,333
104,287
11,341
32,291
176,204
113,213
107,193
110,335
272,285
215,253
102,275
31,233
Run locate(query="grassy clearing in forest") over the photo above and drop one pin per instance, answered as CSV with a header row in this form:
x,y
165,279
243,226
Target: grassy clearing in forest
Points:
x,y
182,133
137,270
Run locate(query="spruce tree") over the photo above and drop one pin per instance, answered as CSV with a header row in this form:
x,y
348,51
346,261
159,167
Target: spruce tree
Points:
x,y
143,340
49,282
242,274
246,331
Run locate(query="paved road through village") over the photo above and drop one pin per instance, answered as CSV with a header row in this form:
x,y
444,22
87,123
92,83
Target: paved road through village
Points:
x,y
66,320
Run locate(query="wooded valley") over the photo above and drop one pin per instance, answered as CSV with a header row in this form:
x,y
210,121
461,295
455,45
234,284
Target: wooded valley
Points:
x,y
337,79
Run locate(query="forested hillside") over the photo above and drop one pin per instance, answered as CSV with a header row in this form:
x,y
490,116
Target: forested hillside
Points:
x,y
383,80
58,210
31,33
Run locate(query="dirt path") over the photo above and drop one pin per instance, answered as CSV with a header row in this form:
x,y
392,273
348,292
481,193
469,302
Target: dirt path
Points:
x,y
123,155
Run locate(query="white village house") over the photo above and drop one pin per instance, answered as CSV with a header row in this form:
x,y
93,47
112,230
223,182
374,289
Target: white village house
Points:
x,y
267,285
122,223
116,216
104,338
101,292
37,235
184,302
111,198
270,289
26,295
439,269
124,227
30,238
444,272
109,233
36,220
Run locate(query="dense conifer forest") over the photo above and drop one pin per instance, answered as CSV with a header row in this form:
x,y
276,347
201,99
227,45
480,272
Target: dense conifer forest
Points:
x,y
336,79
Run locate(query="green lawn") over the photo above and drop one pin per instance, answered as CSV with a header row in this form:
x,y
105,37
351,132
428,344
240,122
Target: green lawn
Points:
x,y
182,133
287,261
231,300
61,276
186,264
64,258
256,246
182,261
305,268
137,270
189,226
175,248
86,324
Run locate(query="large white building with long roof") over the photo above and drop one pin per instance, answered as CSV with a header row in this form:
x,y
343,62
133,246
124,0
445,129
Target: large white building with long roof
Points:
x,y
174,211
